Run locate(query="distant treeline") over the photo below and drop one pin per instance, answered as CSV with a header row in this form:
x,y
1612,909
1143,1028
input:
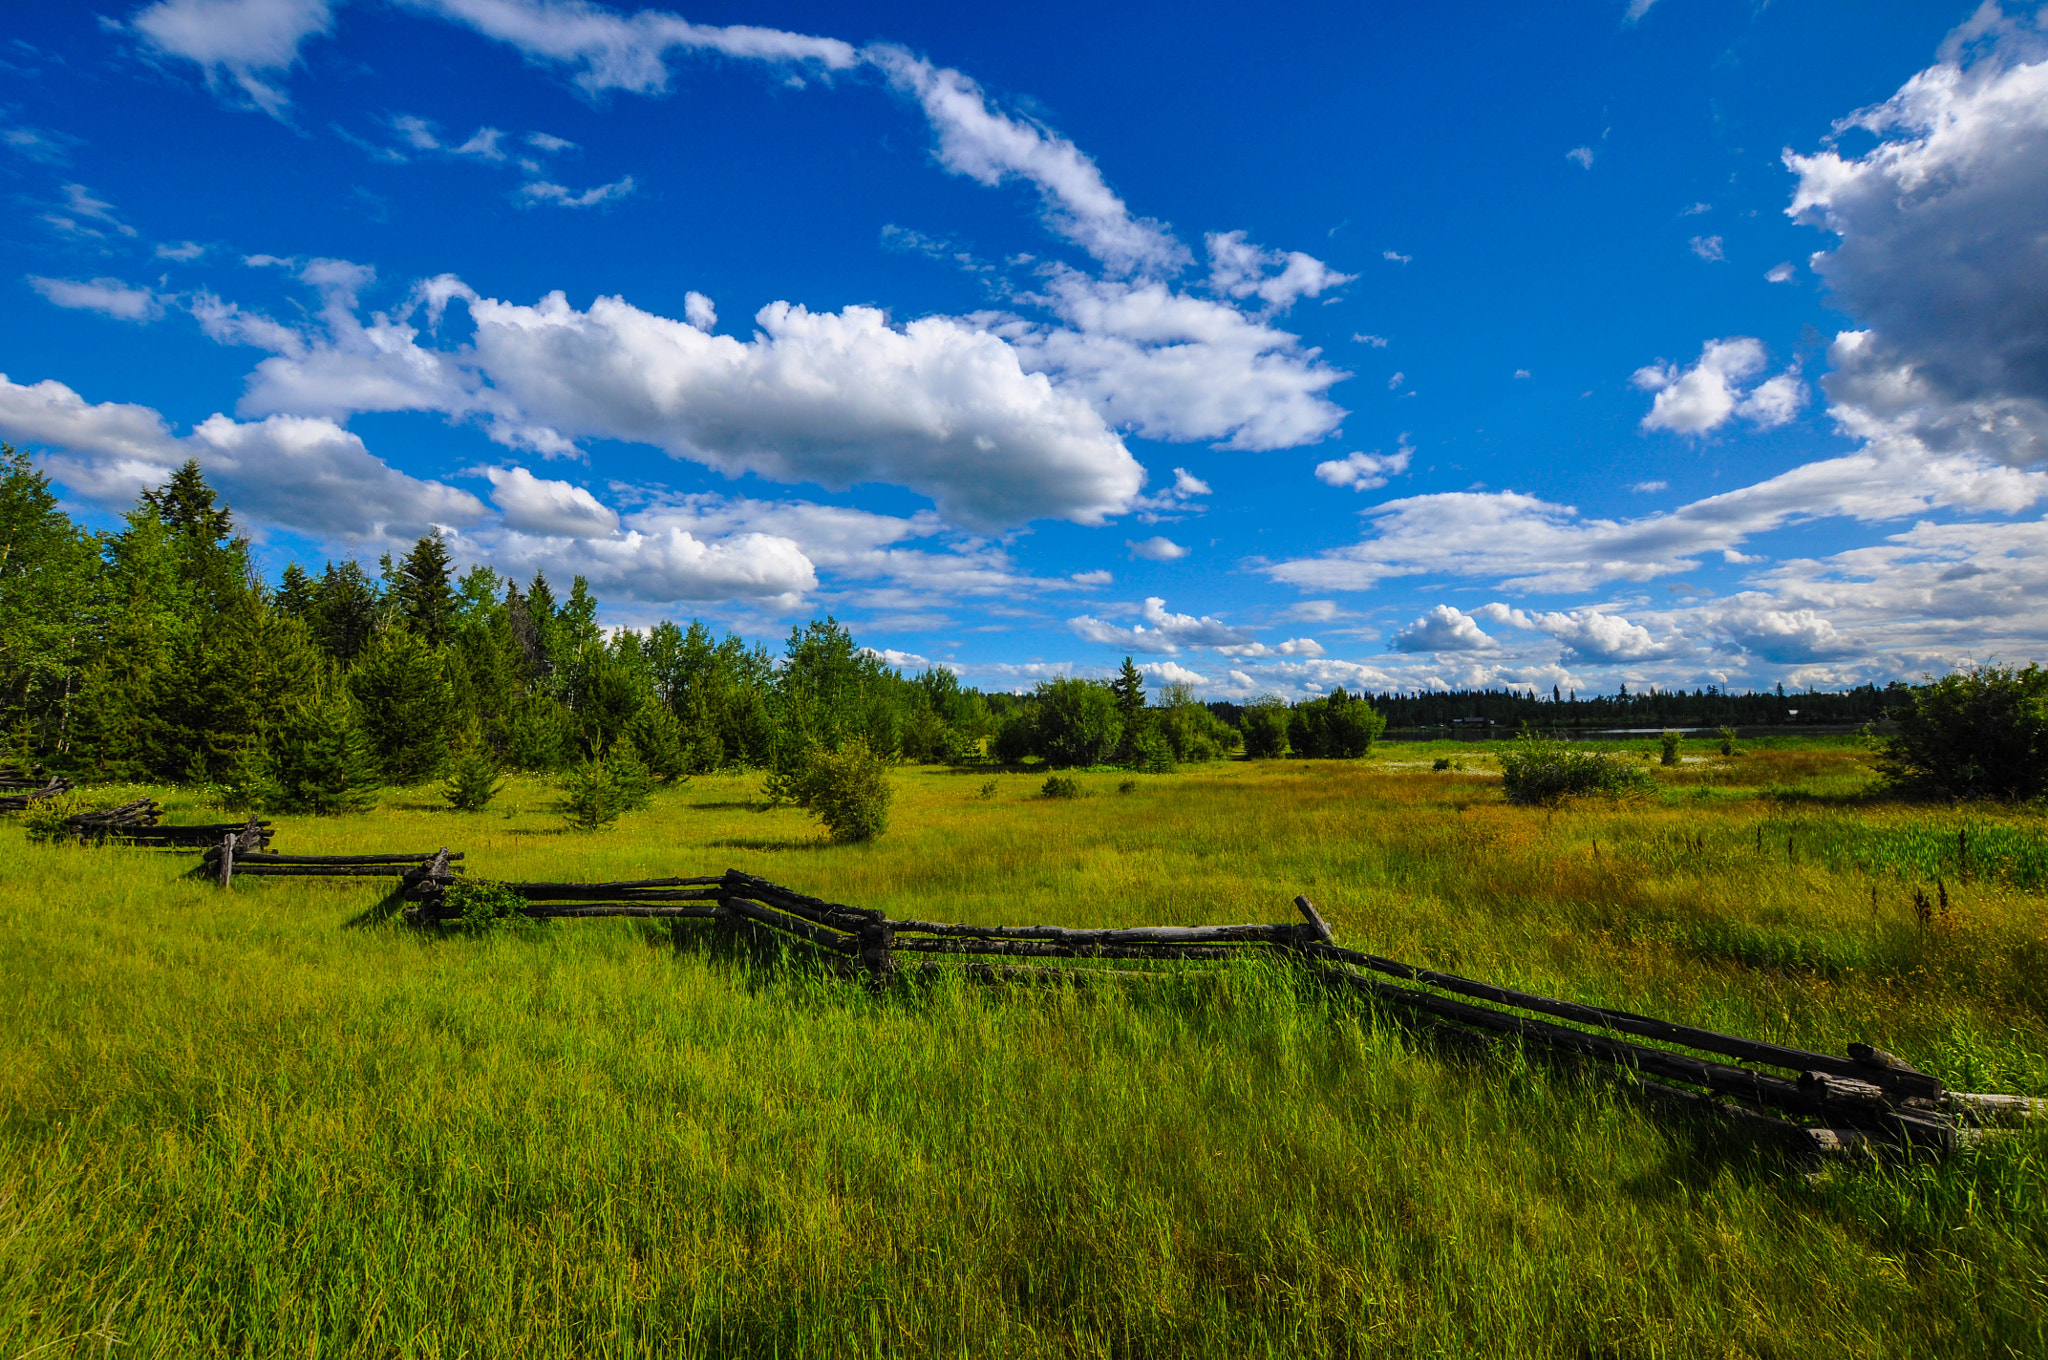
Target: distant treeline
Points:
x,y
1647,707
154,651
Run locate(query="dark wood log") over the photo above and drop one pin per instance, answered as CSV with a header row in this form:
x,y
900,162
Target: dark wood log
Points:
x,y
1030,973
258,869
1319,929
792,925
227,859
1990,1108
705,913
796,904
1906,1083
1142,935
1041,949
875,954
538,891
604,892
268,858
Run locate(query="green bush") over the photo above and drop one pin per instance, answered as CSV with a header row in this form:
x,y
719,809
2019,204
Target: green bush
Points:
x,y
988,788
1265,729
321,760
1669,741
1727,741
1539,770
1980,733
1078,722
849,791
474,776
658,740
1440,763
1339,727
43,819
1059,786
484,906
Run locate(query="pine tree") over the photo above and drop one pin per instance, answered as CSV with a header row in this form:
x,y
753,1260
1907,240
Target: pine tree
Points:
x,y
422,596
297,595
404,701
656,736
1129,688
473,775
186,505
346,610
49,572
320,760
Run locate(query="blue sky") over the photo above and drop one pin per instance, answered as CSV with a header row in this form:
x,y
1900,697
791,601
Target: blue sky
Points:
x,y
1681,342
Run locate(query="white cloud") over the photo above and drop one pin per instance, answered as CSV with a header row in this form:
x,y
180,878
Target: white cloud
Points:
x,y
1313,611
1583,155
227,324
534,505
181,252
1173,673
1782,635
110,297
1705,396
1239,269
547,144
1650,487
1156,549
1365,471
1375,341
1175,367
1161,631
1707,248
38,144
1174,501
1091,578
1780,273
1442,629
901,661
1696,209
1396,257
607,50
699,311
1394,383
836,398
304,474
1941,253
1637,9
80,202
1596,636
1521,373
1528,543
543,191
248,42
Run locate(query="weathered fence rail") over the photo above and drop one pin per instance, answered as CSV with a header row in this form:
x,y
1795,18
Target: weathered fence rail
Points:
x,y
18,791
1818,1103
242,852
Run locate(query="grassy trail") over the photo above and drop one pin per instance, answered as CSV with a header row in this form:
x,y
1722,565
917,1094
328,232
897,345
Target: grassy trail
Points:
x,y
236,1124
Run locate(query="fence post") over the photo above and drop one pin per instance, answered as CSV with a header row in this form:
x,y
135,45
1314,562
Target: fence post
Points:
x,y
227,859
877,953
1317,931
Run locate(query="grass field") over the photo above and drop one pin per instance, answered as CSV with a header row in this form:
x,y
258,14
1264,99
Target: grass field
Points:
x,y
246,1123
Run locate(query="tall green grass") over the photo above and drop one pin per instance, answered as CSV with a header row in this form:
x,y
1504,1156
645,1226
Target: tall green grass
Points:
x,y
236,1123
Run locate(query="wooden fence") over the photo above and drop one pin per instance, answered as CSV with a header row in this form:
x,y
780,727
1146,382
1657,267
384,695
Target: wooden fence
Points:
x,y
19,788
244,853
1866,1101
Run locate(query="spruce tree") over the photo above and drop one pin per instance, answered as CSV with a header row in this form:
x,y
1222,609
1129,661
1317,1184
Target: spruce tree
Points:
x,y
49,573
320,760
404,700
346,610
422,596
297,595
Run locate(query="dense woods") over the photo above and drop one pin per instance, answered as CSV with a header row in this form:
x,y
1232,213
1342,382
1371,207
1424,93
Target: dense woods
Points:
x,y
155,651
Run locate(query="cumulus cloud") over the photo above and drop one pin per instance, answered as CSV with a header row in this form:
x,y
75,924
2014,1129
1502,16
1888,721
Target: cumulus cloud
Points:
x,y
1528,543
110,297
296,472
1158,549
699,311
1781,272
1239,269
1172,502
1707,248
535,505
836,398
1172,366
1161,631
1365,471
1173,673
1594,635
243,44
1940,248
1707,395
1442,629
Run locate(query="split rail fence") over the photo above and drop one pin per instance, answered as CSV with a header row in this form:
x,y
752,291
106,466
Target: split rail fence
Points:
x,y
1864,1102
19,788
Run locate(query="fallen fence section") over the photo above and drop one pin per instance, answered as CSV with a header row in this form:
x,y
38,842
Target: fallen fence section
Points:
x,y
1817,1103
18,790
242,853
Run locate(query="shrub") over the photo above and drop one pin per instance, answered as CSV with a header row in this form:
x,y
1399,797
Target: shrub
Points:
x,y
1127,786
988,788
658,740
1059,786
1670,744
849,791
1727,741
538,733
1539,770
630,776
1152,752
486,906
43,819
1078,722
590,798
1265,729
1339,727
474,778
1980,733
1440,763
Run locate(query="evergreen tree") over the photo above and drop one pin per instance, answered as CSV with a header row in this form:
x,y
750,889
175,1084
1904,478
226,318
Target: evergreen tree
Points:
x,y
658,738
297,596
1129,689
347,608
422,595
404,701
186,505
320,759
473,774
49,572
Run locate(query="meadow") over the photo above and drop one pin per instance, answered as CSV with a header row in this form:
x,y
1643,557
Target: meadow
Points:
x,y
261,1122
